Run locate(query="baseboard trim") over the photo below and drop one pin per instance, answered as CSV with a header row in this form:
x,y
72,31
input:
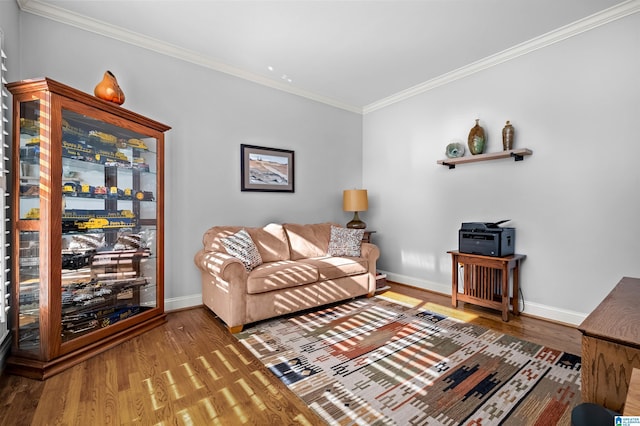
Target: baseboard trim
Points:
x,y
177,303
533,309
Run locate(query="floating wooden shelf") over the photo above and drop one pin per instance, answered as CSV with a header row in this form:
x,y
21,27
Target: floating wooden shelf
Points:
x,y
517,154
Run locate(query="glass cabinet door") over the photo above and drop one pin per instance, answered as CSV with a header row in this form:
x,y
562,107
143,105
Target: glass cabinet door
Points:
x,y
29,296
108,224
29,238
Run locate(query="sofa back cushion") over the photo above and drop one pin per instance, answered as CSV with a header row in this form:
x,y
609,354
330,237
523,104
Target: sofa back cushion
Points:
x,y
307,241
270,240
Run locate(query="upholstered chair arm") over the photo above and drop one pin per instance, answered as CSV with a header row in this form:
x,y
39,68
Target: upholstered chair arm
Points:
x,y
222,265
371,252
224,287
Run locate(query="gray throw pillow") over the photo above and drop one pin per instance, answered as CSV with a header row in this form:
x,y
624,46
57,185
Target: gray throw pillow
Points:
x,y
345,241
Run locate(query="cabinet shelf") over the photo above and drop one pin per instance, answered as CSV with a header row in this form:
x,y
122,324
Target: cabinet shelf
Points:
x,y
517,154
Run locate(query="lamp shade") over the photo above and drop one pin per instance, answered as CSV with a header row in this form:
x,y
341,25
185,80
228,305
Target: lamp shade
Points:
x,y
355,200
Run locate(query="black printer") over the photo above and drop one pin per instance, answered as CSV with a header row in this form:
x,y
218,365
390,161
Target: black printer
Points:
x,y
487,239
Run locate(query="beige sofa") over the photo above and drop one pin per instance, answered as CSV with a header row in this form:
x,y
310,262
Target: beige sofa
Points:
x,y
296,273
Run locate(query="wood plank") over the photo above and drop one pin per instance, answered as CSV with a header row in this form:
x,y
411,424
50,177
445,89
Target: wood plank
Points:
x,y
606,372
486,157
632,401
556,335
617,317
192,370
611,346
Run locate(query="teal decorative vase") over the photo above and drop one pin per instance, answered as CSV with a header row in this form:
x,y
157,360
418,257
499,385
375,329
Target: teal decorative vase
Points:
x,y
476,139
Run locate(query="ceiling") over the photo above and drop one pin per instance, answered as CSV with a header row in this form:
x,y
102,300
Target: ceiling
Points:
x,y
354,54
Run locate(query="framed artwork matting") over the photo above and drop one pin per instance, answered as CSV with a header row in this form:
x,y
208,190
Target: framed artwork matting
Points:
x,y
266,169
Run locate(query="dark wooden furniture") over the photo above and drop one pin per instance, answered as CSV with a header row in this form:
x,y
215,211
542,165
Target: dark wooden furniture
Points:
x,y
87,226
611,346
486,281
366,238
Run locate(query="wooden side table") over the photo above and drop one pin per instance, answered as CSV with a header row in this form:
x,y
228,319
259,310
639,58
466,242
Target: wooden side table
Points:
x,y
366,238
611,346
486,281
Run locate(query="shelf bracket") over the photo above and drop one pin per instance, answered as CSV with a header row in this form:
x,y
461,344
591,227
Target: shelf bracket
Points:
x,y
517,157
450,165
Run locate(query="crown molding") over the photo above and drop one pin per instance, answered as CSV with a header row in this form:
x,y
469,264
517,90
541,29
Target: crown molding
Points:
x,y
578,27
55,13
83,22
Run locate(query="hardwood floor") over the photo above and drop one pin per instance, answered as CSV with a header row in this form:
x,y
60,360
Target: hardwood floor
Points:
x,y
555,335
192,371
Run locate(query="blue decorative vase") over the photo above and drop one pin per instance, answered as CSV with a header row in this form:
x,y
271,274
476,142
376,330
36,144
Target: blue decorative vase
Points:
x,y
455,150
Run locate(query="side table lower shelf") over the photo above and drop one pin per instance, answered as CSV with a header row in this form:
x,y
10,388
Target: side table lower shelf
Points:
x,y
381,282
486,281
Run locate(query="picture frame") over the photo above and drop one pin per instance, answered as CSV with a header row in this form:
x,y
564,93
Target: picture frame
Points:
x,y
266,169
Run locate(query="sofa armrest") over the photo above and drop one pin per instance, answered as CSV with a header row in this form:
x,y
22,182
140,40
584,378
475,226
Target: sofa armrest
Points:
x,y
224,286
369,251
221,265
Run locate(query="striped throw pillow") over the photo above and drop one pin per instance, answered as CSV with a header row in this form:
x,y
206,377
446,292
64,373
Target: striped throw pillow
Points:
x,y
241,246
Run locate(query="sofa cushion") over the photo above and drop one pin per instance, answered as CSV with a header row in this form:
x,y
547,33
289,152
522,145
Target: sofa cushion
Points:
x,y
270,240
241,246
308,240
279,275
331,268
345,241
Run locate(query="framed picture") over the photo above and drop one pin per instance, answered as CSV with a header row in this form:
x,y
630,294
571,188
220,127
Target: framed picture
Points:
x,y
266,169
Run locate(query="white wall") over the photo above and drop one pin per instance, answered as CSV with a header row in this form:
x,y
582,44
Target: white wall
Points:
x,y
574,202
9,18
211,114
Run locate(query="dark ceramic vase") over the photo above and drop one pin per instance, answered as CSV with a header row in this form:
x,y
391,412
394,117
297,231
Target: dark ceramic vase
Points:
x,y
507,137
476,139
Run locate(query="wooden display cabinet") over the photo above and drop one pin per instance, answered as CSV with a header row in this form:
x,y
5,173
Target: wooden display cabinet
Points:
x,y
87,226
611,347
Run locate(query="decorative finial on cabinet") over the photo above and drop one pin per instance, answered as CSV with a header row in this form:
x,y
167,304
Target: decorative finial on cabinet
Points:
x,y
109,90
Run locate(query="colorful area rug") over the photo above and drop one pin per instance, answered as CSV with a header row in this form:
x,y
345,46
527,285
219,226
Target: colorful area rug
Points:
x,y
373,361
